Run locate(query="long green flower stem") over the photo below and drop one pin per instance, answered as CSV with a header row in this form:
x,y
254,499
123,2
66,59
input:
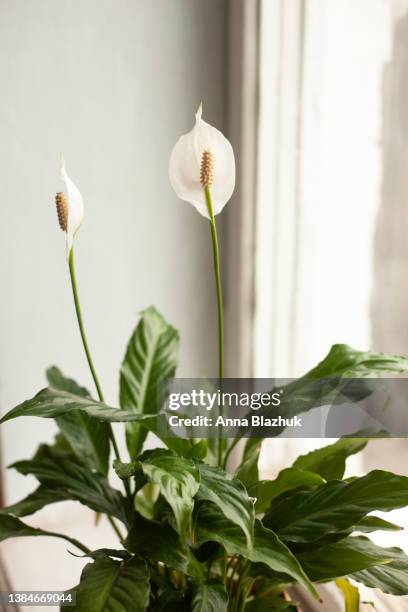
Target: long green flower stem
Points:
x,y
216,253
217,273
91,365
81,325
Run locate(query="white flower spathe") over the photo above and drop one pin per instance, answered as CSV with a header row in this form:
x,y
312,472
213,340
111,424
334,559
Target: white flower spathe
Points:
x,y
75,212
185,166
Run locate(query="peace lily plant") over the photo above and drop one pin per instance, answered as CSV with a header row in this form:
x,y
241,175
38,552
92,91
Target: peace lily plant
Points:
x,y
193,533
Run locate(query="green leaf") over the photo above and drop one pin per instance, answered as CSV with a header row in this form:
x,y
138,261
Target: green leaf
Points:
x,y
150,359
368,524
57,380
330,461
390,578
271,551
144,506
247,472
351,595
123,555
51,404
64,474
329,382
179,480
12,527
88,437
375,523
291,478
170,600
209,597
126,470
181,446
342,559
229,495
113,586
212,525
342,360
159,542
43,496
305,516
198,450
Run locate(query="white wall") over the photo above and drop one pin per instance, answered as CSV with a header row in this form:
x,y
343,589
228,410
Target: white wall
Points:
x,y
112,84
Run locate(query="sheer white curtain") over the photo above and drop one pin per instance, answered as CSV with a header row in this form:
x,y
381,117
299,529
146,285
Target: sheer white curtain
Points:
x,y
332,154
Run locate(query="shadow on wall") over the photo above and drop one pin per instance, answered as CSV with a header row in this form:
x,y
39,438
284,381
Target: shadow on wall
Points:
x,y
389,305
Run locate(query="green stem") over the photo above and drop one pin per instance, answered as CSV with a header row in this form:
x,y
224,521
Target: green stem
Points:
x,y
245,594
73,541
232,561
235,568
229,451
88,352
217,273
224,567
116,529
240,593
81,324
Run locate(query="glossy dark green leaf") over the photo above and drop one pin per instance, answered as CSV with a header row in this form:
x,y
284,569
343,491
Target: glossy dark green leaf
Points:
x,y
341,377
271,551
182,446
330,461
212,525
342,360
329,382
159,542
171,600
374,523
368,524
51,403
229,495
248,472
390,578
151,358
43,496
88,437
209,597
57,380
267,490
305,516
113,586
12,527
107,552
178,479
64,474
342,559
